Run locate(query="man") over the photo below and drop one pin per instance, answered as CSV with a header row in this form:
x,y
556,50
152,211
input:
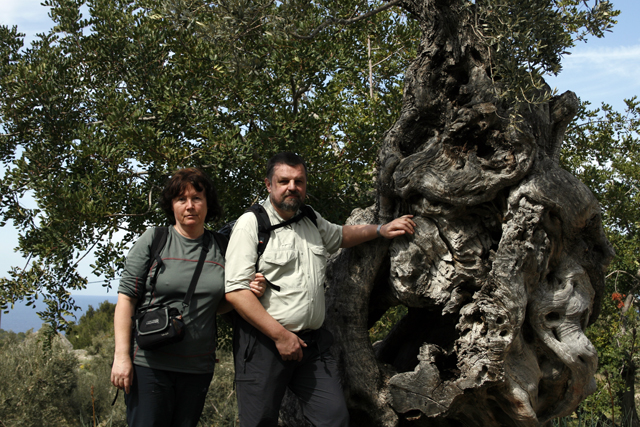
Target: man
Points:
x,y
279,340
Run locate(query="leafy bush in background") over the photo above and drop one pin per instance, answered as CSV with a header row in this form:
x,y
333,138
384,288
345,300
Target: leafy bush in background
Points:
x,y
9,337
57,385
36,384
94,393
92,323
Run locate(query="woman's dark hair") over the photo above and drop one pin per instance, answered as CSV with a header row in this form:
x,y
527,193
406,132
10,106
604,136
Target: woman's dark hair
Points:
x,y
286,157
177,184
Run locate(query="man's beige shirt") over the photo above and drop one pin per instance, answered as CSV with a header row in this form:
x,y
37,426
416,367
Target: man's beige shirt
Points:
x,y
295,259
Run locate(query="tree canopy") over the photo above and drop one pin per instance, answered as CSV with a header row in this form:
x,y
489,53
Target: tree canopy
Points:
x,y
98,111
602,151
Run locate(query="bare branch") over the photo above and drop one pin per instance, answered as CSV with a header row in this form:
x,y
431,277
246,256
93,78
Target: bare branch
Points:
x,y
370,67
96,123
623,272
150,201
634,277
128,230
86,253
142,119
389,56
329,169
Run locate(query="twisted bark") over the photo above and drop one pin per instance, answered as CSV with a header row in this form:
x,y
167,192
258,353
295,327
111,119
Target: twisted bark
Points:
x,y
505,271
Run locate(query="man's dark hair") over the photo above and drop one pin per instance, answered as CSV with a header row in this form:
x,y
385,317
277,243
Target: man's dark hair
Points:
x,y
286,157
177,184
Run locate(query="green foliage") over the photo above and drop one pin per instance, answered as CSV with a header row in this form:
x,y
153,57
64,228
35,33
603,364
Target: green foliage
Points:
x,y
529,37
387,321
224,333
615,337
61,387
8,338
220,407
36,384
92,323
100,110
603,150
94,392
97,112
590,419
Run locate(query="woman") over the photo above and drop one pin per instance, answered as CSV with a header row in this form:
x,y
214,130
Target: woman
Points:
x,y
167,386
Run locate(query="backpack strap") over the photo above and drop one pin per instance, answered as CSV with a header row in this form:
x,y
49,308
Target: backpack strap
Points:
x,y
196,274
157,244
264,224
310,213
222,241
265,228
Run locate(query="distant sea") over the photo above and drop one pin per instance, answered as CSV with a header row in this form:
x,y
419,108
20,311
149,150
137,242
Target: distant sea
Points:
x,y
23,318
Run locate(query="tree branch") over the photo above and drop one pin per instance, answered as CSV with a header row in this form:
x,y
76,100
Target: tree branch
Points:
x,y
389,56
623,272
142,119
618,272
140,214
86,253
96,123
333,21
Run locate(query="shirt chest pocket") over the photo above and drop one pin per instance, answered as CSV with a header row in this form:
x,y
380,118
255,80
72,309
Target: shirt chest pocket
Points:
x,y
278,266
318,259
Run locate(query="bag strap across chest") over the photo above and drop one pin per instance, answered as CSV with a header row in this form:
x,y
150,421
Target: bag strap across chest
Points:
x,y
265,228
158,243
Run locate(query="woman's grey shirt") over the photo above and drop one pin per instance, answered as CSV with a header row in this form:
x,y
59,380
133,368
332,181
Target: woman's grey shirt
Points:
x,y
196,352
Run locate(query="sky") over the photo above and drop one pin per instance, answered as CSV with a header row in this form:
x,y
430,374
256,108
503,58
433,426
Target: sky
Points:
x,y
599,71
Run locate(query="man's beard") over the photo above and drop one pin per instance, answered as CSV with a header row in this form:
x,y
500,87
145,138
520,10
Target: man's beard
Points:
x,y
288,204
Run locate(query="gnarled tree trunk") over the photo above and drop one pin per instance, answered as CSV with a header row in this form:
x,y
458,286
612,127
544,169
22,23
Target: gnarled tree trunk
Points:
x,y
506,268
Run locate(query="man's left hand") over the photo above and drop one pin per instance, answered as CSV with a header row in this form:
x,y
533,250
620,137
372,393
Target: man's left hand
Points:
x,y
398,227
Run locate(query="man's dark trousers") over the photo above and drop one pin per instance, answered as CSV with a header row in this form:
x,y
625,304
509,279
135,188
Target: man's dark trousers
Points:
x,y
262,378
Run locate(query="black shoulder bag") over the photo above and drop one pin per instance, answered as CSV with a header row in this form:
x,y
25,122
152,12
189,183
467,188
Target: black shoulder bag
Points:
x,y
157,325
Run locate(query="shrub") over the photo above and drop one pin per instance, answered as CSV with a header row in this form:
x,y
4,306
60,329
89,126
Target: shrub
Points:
x,y
42,385
36,383
94,394
220,407
92,323
386,322
10,337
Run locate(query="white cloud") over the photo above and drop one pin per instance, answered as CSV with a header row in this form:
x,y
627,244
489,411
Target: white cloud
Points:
x,y
604,56
14,11
602,74
29,15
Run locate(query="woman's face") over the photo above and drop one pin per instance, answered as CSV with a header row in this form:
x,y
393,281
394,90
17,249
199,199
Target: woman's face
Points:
x,y
190,209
